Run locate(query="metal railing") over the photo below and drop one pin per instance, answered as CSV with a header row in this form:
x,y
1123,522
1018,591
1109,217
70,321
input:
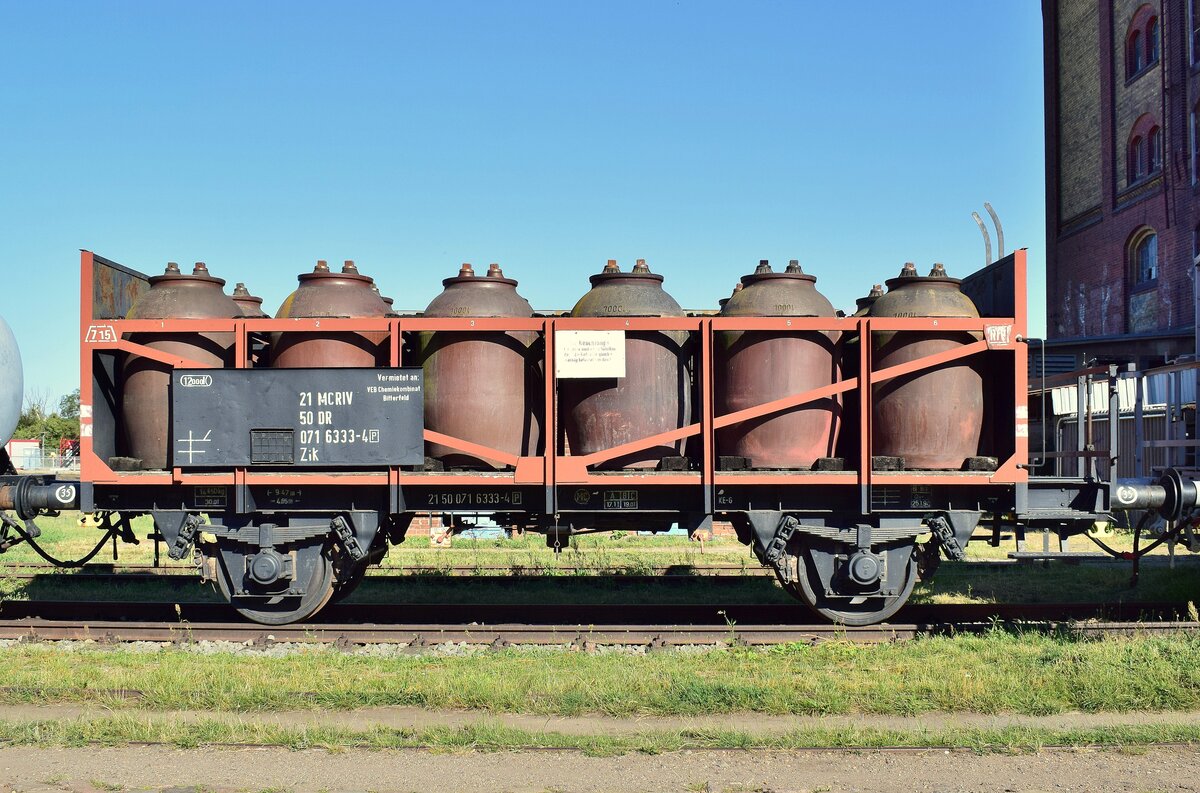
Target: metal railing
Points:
x,y
1099,393
46,462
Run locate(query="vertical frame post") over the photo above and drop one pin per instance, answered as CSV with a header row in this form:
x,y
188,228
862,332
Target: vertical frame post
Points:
x,y
241,345
1114,421
1139,432
395,494
707,436
87,451
1021,360
551,423
1178,428
1082,386
865,410
394,343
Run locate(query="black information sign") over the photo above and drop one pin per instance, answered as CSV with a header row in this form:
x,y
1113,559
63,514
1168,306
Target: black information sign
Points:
x,y
309,418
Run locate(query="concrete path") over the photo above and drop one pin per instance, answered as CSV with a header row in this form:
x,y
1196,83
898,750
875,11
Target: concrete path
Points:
x,y
222,770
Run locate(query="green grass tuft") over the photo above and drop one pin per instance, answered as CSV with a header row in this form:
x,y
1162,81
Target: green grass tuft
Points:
x,y
998,672
484,737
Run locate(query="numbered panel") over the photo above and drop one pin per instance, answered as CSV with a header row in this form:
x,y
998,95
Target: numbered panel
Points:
x,y
304,418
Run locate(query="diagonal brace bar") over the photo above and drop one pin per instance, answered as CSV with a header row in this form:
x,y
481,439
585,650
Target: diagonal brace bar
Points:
x,y
661,438
458,444
928,361
162,357
786,402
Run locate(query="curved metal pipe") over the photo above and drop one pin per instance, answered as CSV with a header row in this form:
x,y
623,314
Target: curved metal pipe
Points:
x,y
987,239
999,228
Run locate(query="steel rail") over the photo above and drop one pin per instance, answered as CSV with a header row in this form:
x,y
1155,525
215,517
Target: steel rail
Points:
x,y
425,635
549,623
584,637
708,614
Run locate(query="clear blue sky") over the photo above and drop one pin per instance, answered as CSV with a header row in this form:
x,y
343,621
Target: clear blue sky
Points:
x,y
548,136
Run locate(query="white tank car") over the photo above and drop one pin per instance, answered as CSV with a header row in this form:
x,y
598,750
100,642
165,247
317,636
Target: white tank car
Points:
x,y
12,382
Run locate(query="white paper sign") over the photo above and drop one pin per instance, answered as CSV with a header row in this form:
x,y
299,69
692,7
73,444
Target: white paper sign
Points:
x,y
589,353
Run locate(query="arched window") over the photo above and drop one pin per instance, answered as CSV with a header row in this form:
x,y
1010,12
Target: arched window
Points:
x,y
1142,41
1137,163
1144,258
1144,152
1134,55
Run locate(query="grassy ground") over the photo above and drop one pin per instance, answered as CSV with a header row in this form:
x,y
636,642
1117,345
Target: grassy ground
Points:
x,y
571,576
1000,672
485,737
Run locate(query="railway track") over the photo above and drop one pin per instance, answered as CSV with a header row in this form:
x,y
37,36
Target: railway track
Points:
x,y
426,635
785,612
419,636
498,625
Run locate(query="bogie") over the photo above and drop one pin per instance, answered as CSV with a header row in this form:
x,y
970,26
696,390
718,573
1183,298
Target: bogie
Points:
x,y
274,587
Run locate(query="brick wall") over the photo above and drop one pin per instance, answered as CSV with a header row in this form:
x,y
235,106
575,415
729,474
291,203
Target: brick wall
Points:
x,y
1092,276
1132,98
1093,213
1079,121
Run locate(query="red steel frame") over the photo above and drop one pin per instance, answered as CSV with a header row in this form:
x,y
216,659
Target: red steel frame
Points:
x,y
1003,334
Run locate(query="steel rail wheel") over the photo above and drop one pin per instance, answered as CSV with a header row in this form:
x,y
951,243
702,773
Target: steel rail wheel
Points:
x,y
281,601
824,584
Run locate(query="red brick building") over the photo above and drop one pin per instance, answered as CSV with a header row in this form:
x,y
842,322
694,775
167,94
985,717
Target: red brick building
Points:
x,y
1122,80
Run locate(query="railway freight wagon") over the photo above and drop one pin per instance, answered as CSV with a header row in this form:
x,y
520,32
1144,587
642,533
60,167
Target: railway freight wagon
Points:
x,y
286,453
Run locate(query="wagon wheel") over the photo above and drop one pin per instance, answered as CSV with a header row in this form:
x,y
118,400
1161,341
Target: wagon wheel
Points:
x,y
274,604
845,606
